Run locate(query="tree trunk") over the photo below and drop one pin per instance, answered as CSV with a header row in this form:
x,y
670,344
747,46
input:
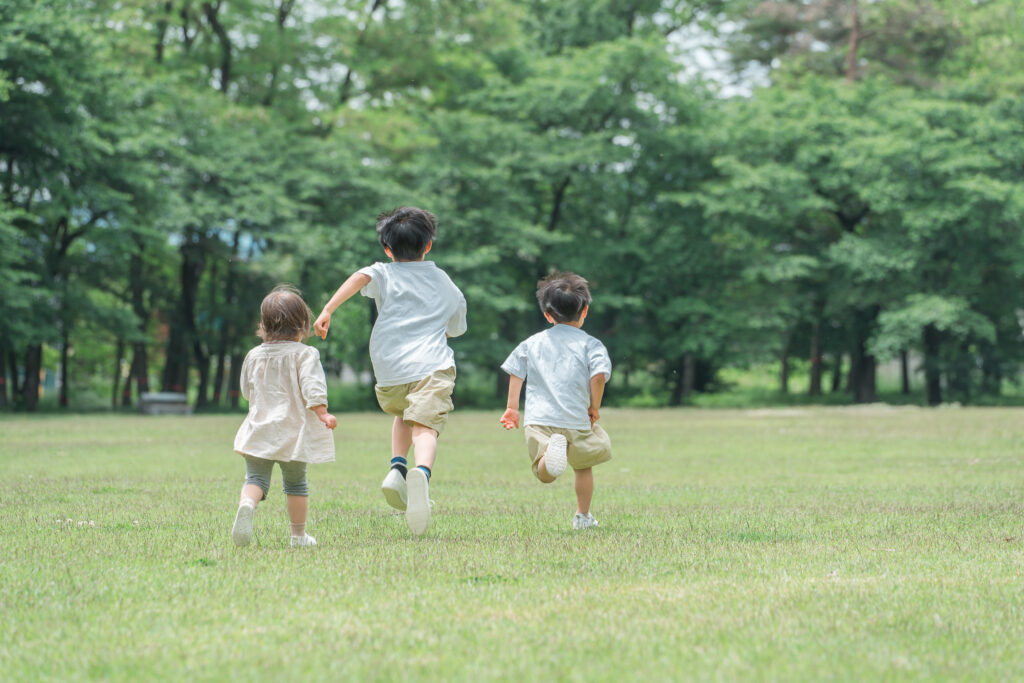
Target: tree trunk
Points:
x,y
30,385
65,348
689,375
932,370
960,378
16,386
904,373
816,369
182,335
234,383
784,365
991,371
676,398
854,44
3,380
862,364
139,370
837,372
118,353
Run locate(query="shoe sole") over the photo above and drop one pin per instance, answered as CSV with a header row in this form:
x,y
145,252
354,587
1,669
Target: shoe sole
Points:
x,y
555,460
241,532
417,513
393,497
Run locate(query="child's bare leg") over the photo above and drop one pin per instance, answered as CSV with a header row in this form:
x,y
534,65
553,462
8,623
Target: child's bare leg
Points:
x,y
542,472
425,441
584,490
252,492
401,438
297,509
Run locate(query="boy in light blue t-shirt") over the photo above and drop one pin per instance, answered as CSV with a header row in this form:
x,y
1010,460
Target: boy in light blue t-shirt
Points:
x,y
418,308
565,370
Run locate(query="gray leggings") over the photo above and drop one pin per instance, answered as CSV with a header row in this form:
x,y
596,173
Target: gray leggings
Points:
x,y
257,471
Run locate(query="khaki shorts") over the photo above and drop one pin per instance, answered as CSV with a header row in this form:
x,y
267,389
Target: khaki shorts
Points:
x,y
587,447
426,402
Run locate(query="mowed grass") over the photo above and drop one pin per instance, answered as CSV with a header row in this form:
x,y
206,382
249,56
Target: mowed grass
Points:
x,y
802,544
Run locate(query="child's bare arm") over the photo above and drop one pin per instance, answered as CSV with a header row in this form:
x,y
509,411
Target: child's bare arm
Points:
x,y
325,417
596,393
510,420
353,284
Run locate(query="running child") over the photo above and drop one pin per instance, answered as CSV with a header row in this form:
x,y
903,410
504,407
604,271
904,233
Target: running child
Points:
x,y
288,422
565,370
418,308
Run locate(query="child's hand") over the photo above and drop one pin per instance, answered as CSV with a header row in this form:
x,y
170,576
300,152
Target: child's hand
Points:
x,y
320,327
594,414
329,420
510,420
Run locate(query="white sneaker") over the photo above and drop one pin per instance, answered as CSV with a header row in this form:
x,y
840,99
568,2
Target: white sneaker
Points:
x,y
394,489
555,460
304,541
417,514
241,532
584,521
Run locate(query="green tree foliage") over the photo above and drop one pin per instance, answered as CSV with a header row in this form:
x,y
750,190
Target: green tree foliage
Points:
x,y
162,164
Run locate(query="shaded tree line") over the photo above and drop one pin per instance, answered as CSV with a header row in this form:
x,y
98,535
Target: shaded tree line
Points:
x,y
162,165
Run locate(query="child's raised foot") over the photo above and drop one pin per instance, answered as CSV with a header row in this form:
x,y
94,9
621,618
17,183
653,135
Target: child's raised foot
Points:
x,y
241,531
303,541
417,514
581,521
555,460
394,489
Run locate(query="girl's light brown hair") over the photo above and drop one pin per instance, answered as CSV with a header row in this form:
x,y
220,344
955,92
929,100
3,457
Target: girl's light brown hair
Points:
x,y
284,316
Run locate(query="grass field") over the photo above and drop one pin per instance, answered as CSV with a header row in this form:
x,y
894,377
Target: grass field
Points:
x,y
801,544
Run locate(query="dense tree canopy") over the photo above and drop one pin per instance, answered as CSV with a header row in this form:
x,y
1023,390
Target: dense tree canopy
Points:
x,y
163,164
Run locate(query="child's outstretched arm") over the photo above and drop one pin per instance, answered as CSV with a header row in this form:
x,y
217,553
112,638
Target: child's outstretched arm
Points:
x,y
596,394
353,284
510,420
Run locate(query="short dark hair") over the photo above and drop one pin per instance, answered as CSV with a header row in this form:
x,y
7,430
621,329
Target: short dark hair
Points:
x,y
406,231
284,316
563,296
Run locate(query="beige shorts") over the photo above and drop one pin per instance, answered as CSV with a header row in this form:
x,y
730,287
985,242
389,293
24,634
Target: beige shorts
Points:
x,y
587,447
426,402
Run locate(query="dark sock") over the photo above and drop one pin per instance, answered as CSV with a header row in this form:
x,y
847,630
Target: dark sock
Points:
x,y
426,470
401,464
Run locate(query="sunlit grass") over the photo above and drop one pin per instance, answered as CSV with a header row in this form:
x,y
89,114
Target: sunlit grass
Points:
x,y
792,543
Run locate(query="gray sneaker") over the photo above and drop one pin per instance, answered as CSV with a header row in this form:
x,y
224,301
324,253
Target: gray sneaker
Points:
x,y
394,489
555,460
584,521
417,515
241,532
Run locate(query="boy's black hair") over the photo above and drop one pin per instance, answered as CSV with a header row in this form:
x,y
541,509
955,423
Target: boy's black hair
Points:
x,y
406,231
563,296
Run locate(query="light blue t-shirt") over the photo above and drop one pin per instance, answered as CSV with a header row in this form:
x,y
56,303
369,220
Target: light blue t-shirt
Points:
x,y
557,365
418,307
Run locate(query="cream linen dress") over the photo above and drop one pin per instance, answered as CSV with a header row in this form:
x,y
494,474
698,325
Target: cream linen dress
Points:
x,y
282,381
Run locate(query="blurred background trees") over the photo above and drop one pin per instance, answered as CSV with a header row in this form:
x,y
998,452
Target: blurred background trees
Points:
x,y
848,192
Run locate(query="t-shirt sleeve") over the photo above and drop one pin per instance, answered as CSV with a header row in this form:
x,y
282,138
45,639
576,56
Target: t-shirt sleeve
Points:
x,y
457,323
516,363
598,360
312,380
373,288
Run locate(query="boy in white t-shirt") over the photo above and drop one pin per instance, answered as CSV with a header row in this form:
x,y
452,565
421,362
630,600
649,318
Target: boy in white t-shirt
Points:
x,y
418,308
565,370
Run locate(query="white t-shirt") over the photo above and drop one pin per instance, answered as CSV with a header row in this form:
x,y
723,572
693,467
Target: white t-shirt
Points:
x,y
282,381
557,365
418,307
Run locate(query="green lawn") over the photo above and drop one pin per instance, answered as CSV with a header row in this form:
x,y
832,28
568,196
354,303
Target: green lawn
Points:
x,y
789,544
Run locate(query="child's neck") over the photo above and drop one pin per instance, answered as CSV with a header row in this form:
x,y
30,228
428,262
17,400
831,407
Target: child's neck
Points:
x,y
575,323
